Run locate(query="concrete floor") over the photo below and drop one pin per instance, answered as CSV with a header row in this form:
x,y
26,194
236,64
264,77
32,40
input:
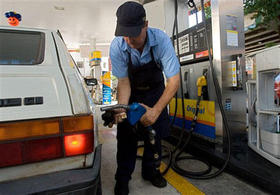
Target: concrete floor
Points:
x,y
223,184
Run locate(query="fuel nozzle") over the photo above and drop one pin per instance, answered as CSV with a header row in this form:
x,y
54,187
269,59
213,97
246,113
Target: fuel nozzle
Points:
x,y
200,83
114,107
134,112
108,116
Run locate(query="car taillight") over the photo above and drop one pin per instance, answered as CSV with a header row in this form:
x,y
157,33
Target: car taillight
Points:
x,y
78,144
39,140
27,129
30,151
80,123
10,154
44,149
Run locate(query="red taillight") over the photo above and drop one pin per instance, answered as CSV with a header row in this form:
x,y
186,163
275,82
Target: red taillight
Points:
x,y
45,149
45,139
10,154
78,144
30,151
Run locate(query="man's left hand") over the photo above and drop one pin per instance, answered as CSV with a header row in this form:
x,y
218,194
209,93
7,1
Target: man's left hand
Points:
x,y
150,117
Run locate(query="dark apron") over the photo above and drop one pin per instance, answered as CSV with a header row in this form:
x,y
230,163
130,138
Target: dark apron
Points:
x,y
147,86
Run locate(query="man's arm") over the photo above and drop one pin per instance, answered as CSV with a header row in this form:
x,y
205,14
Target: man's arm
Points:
x,y
153,113
123,95
119,69
123,90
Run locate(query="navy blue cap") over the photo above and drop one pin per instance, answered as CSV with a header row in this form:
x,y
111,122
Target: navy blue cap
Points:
x,y
131,17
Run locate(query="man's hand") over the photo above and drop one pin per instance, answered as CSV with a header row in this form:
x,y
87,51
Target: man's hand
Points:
x,y
152,114
120,115
112,117
150,117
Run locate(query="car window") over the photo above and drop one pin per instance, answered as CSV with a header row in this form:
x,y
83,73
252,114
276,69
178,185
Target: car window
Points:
x,y
21,47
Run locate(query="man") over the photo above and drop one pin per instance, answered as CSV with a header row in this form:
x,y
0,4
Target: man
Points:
x,y
139,55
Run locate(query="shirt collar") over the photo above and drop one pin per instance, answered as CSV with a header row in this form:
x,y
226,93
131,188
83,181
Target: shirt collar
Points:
x,y
152,41
151,38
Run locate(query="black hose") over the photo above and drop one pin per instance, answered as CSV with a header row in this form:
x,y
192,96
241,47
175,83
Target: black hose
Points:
x,y
176,95
219,98
174,165
181,80
171,153
203,174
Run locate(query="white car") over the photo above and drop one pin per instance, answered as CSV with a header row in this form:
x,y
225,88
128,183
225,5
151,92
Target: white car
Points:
x,y
48,135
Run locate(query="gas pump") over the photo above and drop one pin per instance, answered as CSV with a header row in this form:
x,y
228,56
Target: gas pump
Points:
x,y
226,42
223,52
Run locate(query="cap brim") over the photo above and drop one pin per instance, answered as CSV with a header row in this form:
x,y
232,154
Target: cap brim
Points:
x,y
128,31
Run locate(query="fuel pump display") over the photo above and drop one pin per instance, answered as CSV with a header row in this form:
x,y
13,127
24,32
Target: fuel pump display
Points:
x,y
192,43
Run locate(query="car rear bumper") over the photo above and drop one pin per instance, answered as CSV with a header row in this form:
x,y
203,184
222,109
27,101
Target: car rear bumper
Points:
x,y
78,181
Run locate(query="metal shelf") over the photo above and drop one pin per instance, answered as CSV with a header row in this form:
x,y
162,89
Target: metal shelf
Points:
x,y
261,111
257,39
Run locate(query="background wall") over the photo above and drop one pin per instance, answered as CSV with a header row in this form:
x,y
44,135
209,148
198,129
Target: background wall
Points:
x,y
155,14
169,14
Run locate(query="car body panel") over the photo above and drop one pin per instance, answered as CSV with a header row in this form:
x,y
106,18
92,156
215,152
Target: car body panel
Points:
x,y
64,93
69,181
43,80
77,88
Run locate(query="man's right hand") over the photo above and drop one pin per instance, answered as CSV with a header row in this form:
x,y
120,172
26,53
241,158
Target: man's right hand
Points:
x,y
120,115
113,117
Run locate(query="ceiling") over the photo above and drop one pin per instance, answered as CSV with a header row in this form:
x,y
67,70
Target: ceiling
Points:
x,y
79,21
